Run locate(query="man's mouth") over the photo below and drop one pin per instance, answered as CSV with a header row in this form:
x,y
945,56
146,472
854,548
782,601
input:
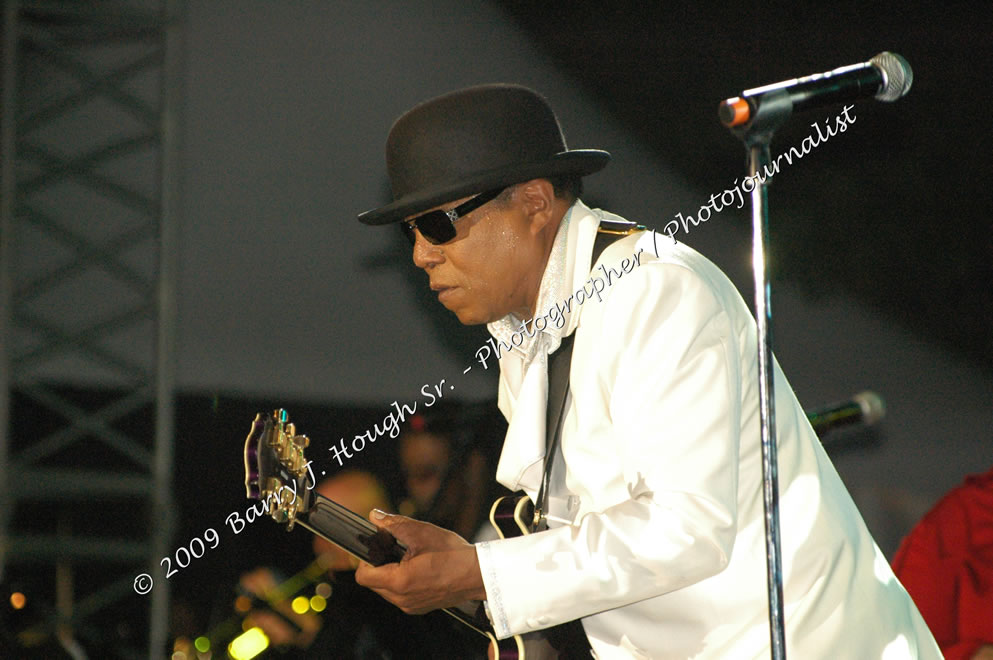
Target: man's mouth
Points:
x,y
444,292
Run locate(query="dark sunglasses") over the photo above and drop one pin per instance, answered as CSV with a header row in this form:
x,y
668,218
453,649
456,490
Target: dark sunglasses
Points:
x,y
439,226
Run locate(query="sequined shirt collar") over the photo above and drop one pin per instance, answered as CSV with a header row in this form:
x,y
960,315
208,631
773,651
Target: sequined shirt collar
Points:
x,y
553,287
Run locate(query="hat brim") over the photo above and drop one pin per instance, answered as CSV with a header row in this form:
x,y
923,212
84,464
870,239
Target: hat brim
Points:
x,y
577,161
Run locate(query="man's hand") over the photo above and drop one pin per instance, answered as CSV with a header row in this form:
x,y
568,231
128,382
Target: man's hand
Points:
x,y
439,570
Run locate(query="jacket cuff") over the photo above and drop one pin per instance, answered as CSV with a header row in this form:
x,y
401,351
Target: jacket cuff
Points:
x,y
493,604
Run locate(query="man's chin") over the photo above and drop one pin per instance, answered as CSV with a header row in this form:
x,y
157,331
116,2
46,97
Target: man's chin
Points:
x,y
467,317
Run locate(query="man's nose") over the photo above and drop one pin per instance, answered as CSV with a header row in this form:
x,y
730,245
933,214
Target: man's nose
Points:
x,y
425,254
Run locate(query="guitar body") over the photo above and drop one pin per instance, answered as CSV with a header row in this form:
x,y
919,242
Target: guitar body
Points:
x,y
514,516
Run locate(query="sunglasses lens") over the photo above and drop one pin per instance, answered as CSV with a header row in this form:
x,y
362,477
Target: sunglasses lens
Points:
x,y
434,226
437,227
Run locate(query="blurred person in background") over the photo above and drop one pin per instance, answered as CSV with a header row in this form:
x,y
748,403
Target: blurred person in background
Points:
x,y
946,563
447,457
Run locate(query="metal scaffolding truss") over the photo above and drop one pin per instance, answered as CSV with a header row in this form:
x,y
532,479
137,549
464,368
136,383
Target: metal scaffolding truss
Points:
x,y
88,217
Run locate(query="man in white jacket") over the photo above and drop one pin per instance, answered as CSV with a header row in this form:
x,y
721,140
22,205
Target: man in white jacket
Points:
x,y
656,538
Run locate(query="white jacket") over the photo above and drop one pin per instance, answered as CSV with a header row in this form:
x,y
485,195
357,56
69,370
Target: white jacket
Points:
x,y
662,479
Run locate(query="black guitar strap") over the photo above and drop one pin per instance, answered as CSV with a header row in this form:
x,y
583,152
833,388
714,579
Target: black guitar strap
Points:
x,y
568,638
558,373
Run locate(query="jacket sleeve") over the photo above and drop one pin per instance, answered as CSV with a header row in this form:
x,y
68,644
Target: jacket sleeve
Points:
x,y
659,385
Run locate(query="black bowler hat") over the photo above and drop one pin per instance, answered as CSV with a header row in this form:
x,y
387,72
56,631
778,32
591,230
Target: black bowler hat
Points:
x,y
473,140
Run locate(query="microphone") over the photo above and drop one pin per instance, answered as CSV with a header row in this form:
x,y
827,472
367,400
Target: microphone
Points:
x,y
865,407
886,76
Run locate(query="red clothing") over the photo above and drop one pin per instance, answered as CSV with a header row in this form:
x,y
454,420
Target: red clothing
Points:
x,y
946,563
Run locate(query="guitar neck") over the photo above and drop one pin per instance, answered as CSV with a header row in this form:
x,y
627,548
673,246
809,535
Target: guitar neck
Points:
x,y
365,541
351,532
275,465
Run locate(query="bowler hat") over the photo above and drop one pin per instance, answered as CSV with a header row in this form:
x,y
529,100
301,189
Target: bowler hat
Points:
x,y
473,140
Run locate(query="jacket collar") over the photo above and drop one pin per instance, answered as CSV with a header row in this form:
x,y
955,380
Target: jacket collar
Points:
x,y
523,390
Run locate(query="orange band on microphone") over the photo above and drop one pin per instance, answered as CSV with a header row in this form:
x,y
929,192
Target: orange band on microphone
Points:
x,y
735,112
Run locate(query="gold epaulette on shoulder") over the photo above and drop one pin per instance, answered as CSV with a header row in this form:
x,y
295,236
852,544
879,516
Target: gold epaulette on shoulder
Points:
x,y
619,227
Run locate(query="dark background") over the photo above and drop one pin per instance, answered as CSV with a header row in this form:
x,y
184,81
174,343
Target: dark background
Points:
x,y
907,227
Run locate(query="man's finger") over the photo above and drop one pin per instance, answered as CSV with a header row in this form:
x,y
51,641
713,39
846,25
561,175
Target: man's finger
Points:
x,y
404,529
377,577
383,519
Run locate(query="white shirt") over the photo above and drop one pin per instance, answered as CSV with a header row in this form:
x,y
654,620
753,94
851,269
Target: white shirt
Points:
x,y
662,479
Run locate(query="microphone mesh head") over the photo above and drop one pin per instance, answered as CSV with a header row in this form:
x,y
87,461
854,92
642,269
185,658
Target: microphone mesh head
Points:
x,y
873,408
897,75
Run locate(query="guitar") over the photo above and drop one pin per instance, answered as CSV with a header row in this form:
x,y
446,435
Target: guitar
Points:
x,y
276,472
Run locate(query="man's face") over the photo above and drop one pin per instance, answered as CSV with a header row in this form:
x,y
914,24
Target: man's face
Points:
x,y
424,457
493,265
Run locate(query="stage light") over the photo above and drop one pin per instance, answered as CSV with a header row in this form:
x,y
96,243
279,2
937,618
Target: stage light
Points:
x,y
300,604
183,646
317,603
202,644
248,644
18,600
242,604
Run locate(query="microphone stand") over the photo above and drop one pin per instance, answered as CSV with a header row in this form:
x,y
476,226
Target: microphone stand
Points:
x,y
771,111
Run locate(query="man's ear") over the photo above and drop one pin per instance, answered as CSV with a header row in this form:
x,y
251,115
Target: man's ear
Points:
x,y
538,197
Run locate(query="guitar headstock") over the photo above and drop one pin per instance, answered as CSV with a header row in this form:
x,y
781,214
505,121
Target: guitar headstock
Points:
x,y
275,467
